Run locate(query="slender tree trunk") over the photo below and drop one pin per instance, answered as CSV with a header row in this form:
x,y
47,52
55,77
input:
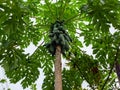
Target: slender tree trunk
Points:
x,y
58,69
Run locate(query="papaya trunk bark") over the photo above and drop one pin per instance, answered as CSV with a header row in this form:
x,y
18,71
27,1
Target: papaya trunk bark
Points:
x,y
58,69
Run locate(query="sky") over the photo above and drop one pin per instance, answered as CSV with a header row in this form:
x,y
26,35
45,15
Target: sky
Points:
x,y
17,86
39,81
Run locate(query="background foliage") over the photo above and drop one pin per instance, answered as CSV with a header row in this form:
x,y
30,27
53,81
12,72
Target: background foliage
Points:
x,y
90,19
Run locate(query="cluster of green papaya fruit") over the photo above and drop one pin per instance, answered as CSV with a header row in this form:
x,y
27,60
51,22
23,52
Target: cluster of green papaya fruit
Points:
x,y
58,37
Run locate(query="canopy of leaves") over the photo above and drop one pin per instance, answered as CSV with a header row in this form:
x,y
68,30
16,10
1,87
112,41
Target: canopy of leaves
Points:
x,y
91,19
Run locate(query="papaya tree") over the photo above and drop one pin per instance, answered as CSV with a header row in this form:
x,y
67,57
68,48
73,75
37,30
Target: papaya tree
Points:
x,y
61,29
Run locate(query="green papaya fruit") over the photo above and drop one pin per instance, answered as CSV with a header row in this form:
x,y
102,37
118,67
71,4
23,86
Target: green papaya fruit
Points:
x,y
51,35
62,43
70,38
57,24
60,27
67,38
55,29
62,39
52,49
54,38
56,32
66,46
57,41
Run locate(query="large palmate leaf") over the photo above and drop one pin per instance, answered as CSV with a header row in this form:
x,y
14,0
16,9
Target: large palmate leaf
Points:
x,y
88,22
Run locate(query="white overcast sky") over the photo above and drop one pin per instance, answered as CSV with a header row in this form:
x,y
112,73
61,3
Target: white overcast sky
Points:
x,y
39,82
30,50
17,86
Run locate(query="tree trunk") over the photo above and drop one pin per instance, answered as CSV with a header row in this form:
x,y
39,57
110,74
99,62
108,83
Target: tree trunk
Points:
x,y
58,69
